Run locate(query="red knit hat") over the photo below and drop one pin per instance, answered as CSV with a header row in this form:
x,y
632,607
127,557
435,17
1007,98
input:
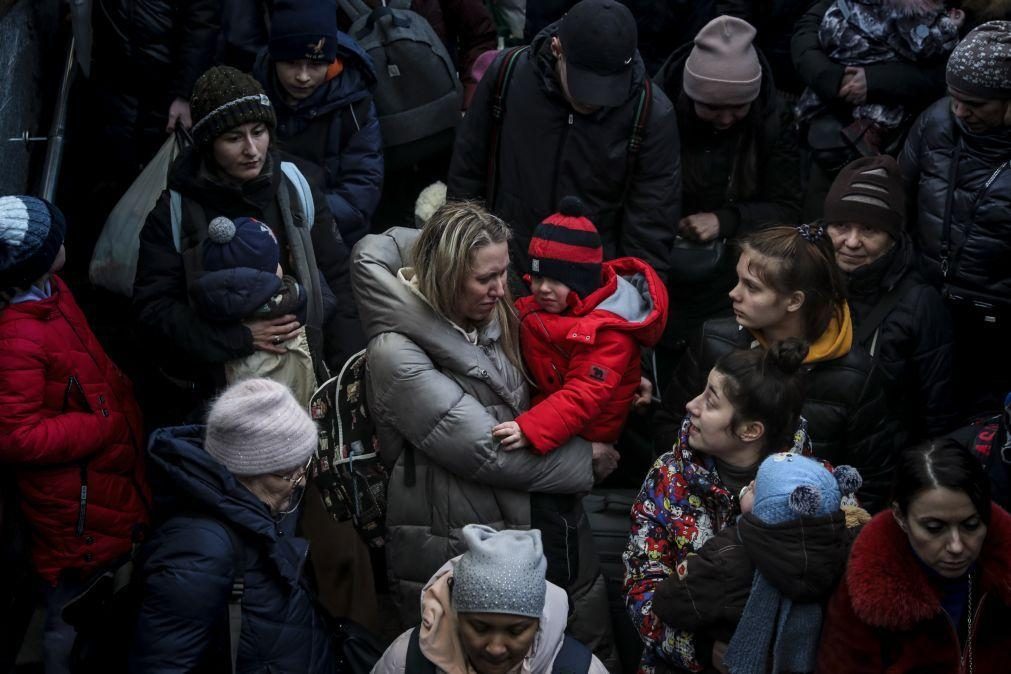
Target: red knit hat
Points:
x,y
566,247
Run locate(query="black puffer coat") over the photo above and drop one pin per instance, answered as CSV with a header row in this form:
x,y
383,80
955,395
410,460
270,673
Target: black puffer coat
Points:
x,y
845,406
980,257
547,151
774,20
913,343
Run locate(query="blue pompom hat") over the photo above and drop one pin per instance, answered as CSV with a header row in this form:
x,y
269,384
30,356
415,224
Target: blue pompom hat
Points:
x,y
243,242
789,486
31,233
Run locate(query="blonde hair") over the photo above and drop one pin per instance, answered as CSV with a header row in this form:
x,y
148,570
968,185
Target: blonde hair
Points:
x,y
443,257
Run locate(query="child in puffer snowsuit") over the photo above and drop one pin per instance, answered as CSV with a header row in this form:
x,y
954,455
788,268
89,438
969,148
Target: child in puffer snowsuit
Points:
x,y
243,279
581,332
863,32
759,585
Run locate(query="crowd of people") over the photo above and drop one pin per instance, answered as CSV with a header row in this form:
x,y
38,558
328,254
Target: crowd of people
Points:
x,y
751,261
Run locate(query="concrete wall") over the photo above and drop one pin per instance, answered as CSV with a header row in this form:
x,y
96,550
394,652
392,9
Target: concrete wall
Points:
x,y
29,30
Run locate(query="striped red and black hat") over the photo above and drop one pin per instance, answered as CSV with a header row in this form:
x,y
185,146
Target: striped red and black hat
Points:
x,y
566,247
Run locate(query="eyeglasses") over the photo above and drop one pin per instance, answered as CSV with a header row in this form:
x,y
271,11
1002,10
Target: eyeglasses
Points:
x,y
296,475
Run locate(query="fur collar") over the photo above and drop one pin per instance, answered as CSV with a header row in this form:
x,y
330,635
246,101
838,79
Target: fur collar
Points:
x,y
890,589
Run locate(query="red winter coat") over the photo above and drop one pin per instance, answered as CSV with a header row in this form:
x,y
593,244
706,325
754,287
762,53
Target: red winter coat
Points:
x,y
886,615
68,419
585,362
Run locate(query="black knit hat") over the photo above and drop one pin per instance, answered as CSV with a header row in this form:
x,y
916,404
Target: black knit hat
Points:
x,y
224,98
566,247
303,29
868,192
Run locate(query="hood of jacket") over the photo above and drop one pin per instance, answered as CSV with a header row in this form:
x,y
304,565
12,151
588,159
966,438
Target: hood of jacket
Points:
x,y
890,588
632,298
191,177
545,63
188,480
355,82
439,638
233,294
835,342
803,558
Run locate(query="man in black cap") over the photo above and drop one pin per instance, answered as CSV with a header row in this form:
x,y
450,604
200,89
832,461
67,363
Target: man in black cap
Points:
x,y
570,108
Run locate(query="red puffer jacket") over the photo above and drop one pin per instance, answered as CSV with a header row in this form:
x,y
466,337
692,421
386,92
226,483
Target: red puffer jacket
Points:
x,y
585,362
886,616
72,430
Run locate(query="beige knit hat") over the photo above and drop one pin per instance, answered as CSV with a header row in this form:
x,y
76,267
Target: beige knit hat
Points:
x,y
256,427
723,67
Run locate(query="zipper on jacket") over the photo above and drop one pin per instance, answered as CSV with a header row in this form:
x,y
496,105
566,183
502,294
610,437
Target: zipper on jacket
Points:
x,y
965,650
82,508
558,158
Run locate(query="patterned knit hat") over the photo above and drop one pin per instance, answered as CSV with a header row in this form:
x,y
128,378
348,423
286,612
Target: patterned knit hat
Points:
x,y
981,63
303,29
256,427
224,98
501,572
244,242
566,247
868,192
31,233
789,486
723,66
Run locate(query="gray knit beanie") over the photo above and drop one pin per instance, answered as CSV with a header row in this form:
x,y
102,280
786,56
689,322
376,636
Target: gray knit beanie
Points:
x,y
257,427
981,63
224,98
501,572
31,233
723,67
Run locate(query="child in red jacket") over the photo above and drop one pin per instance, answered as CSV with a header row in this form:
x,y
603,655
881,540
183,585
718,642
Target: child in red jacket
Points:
x,y
69,426
581,332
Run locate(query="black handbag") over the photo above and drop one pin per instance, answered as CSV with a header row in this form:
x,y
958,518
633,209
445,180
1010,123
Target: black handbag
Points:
x,y
695,262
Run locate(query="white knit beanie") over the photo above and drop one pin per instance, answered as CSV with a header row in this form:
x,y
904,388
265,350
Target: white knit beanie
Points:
x,y
257,427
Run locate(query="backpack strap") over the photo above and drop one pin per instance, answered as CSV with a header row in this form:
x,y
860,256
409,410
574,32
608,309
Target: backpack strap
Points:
x,y
872,324
498,119
572,658
415,661
354,8
176,218
642,109
302,191
235,597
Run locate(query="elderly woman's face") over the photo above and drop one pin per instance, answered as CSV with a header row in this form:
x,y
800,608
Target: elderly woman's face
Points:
x,y
944,529
496,643
484,285
242,151
978,114
857,246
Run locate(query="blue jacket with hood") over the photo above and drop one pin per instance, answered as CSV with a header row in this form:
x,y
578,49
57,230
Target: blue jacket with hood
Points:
x,y
188,565
336,127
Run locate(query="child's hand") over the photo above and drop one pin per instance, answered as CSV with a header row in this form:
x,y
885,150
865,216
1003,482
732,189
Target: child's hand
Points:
x,y
747,497
510,436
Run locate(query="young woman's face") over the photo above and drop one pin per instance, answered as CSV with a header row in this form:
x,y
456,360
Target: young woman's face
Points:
x,y
711,416
721,117
857,246
484,286
496,643
550,294
944,529
241,152
758,306
301,77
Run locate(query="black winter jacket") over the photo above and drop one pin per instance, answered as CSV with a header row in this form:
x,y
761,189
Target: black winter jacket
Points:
x,y
913,344
548,151
845,406
186,343
980,235
163,43
188,566
336,128
775,22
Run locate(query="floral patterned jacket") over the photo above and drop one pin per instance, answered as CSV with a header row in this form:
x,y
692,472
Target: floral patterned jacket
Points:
x,y
682,504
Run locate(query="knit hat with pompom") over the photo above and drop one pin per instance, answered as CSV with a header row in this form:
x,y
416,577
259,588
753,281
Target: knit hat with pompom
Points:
x,y
31,233
243,242
789,486
566,247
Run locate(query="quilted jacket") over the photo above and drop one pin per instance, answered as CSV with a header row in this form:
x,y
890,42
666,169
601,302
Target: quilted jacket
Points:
x,y
71,430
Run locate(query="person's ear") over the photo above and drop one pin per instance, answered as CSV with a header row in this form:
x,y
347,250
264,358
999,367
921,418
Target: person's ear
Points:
x,y
795,301
751,431
556,46
900,519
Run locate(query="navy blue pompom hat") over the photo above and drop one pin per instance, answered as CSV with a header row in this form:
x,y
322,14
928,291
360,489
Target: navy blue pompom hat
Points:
x,y
243,242
303,29
31,233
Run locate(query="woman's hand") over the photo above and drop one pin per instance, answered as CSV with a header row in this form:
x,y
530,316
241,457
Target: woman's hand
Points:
x,y
510,436
854,86
605,460
700,227
719,652
643,396
270,333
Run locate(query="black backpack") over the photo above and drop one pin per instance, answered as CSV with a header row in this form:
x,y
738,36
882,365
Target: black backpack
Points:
x,y
418,92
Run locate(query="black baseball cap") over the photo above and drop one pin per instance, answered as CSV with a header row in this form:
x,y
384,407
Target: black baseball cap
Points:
x,y
599,39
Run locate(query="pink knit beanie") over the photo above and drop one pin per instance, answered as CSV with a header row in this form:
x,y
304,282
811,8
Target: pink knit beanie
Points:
x,y
723,67
256,427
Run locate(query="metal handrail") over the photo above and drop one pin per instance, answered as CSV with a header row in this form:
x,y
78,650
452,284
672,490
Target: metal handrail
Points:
x,y
54,148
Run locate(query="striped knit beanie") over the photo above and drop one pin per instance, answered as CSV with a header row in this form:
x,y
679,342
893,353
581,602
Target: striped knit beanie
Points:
x,y
869,192
224,98
31,233
566,247
256,427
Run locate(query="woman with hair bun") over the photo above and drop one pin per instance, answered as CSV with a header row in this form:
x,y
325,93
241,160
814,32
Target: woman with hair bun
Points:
x,y
749,408
790,286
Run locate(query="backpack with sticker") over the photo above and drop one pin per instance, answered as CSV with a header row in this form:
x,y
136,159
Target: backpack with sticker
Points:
x,y
418,93
347,468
